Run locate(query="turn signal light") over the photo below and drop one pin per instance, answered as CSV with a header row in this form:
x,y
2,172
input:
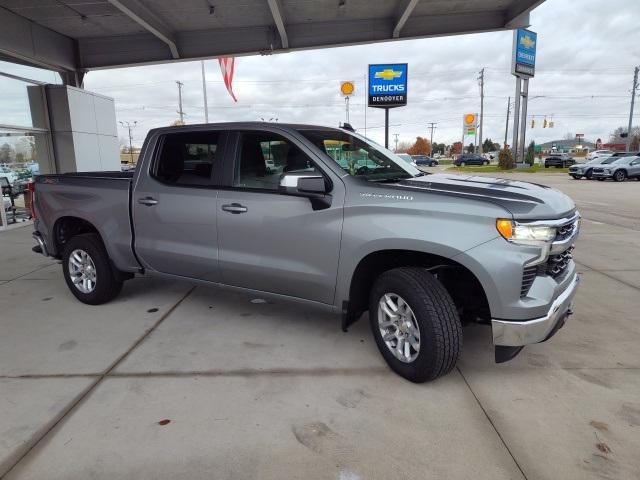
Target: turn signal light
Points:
x,y
505,227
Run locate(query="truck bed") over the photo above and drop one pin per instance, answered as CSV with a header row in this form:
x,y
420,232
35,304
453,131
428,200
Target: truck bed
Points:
x,y
101,198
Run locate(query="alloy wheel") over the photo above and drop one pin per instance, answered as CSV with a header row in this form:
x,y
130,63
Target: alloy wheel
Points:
x,y
398,327
82,271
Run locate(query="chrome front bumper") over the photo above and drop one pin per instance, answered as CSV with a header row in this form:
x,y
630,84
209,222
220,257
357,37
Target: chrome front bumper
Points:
x,y
519,333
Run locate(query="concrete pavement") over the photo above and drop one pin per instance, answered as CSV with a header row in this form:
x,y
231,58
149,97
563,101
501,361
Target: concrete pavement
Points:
x,y
274,390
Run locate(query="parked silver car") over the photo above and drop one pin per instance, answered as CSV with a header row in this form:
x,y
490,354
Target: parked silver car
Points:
x,y
620,170
586,169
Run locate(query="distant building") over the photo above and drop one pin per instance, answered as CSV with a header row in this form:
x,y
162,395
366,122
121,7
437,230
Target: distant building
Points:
x,y
580,147
616,147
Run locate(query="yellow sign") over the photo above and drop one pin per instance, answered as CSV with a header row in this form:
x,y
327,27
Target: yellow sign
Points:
x,y
470,119
388,74
527,41
347,88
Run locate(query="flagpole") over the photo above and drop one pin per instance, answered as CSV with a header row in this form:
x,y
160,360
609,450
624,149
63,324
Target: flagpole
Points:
x,y
204,93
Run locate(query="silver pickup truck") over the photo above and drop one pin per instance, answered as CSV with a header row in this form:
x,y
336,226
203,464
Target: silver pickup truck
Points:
x,y
327,217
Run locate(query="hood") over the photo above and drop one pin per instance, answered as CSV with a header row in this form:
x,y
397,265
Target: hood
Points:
x,y
524,200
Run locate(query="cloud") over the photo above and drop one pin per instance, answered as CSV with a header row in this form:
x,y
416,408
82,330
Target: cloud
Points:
x,y
586,54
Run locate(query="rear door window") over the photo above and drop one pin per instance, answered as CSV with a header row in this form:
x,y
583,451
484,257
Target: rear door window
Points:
x,y
188,159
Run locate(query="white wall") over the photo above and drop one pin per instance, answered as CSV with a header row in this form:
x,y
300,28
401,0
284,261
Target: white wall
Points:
x,y
84,131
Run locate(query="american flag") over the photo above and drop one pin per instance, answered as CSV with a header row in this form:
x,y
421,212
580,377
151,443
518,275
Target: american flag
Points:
x,y
226,66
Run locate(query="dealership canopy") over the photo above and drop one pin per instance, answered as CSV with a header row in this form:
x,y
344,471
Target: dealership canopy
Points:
x,y
80,35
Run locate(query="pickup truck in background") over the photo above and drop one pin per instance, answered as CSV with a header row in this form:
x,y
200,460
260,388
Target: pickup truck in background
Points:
x,y
327,217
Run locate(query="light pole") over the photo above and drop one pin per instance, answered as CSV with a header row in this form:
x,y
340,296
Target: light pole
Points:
x,y
129,126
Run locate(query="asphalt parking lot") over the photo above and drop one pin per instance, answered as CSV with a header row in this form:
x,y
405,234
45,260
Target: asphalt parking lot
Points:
x,y
175,381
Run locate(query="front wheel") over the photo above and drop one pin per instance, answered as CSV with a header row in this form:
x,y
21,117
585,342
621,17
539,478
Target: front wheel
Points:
x,y
87,270
415,324
620,176
589,174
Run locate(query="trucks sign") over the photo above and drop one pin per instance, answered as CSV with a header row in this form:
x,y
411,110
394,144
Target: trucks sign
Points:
x,y
388,85
523,63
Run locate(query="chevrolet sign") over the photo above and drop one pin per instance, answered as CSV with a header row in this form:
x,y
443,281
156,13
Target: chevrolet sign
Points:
x,y
388,85
523,63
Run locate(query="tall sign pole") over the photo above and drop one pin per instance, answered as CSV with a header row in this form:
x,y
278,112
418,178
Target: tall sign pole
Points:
x,y
523,67
347,89
633,98
470,129
516,119
387,88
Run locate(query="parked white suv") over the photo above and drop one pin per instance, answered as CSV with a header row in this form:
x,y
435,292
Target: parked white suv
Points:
x,y
599,154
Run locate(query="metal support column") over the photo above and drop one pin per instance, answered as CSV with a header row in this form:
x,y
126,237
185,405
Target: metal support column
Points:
x,y
523,120
516,119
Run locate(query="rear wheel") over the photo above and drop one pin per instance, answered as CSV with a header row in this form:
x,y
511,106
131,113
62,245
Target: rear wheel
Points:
x,y
87,270
620,176
415,324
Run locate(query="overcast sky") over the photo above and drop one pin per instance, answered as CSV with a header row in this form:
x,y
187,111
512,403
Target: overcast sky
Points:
x,y
586,53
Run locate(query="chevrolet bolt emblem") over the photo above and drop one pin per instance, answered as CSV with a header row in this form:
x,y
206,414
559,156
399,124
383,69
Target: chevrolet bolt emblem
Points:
x,y
388,74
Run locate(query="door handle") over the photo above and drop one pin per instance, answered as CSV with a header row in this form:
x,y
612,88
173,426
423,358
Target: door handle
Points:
x,y
148,201
234,208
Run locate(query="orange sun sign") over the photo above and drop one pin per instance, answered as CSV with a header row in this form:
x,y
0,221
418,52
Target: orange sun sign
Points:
x,y
470,119
347,88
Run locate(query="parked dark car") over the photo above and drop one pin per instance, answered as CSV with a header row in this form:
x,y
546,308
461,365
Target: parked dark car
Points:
x,y
424,161
470,159
559,160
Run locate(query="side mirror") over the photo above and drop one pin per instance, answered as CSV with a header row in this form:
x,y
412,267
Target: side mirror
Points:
x,y
296,184
312,186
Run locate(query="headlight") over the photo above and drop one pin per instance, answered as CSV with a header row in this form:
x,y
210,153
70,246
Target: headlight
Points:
x,y
523,234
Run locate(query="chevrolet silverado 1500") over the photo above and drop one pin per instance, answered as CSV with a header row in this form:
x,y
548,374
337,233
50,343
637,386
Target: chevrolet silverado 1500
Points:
x,y
327,217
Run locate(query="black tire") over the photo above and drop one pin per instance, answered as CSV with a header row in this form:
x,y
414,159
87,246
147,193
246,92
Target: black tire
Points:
x,y
436,317
463,164
432,164
546,166
620,176
589,174
577,177
107,286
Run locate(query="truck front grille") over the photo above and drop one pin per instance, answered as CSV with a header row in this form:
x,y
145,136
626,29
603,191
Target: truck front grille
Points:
x,y
528,276
557,264
565,231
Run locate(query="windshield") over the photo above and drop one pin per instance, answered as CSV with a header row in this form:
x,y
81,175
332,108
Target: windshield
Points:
x,y
359,156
